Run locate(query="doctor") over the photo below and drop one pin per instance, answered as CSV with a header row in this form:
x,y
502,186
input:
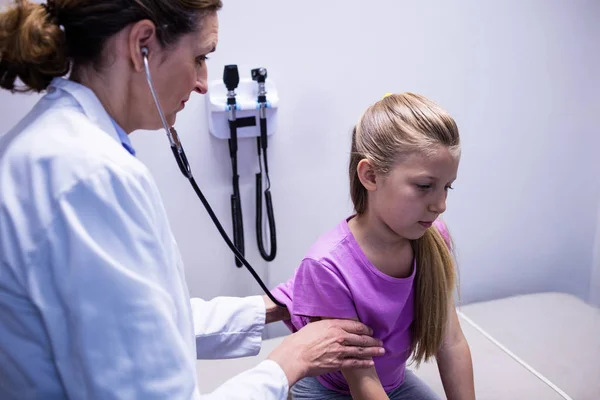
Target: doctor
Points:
x,y
93,299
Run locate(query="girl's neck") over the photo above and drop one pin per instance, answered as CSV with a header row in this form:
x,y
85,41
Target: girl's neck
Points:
x,y
386,250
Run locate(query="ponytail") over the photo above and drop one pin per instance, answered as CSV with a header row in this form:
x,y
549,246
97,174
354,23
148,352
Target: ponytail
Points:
x,y
32,47
434,284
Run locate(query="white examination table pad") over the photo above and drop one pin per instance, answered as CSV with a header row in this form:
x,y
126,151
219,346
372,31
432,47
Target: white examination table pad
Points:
x,y
556,334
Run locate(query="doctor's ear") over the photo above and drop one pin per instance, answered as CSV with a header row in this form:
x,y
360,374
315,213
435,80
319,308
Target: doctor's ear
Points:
x,y
142,41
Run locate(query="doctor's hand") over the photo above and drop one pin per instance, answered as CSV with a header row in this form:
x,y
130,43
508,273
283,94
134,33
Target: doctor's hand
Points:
x,y
326,346
274,313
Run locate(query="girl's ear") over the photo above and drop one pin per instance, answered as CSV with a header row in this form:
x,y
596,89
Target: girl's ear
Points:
x,y
366,174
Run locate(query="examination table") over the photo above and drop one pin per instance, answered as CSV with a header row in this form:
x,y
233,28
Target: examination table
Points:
x,y
556,336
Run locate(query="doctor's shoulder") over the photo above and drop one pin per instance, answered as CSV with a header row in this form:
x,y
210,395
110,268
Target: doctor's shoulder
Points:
x,y
63,144
54,153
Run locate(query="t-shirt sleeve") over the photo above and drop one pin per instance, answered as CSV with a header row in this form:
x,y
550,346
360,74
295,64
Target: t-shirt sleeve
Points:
x,y
321,291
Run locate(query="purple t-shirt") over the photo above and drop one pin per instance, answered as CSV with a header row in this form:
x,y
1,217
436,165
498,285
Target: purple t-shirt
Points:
x,y
336,280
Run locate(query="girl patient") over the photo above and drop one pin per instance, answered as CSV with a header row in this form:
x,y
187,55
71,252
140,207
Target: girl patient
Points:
x,y
390,265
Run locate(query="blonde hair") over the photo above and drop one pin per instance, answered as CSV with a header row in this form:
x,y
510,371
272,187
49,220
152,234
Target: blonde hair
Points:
x,y
396,126
39,42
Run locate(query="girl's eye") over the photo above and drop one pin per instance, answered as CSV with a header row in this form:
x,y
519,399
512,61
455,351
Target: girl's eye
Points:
x,y
428,187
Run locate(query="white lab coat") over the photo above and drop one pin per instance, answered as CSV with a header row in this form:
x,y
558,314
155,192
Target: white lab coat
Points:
x,y
93,299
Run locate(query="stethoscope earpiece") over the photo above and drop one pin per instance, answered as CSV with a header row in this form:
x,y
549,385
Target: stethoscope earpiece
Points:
x,y
144,51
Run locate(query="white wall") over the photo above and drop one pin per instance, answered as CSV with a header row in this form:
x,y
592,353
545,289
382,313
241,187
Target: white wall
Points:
x,y
520,77
595,278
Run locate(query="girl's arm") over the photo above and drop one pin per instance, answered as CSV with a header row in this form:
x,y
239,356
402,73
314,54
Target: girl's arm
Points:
x,y
364,383
454,362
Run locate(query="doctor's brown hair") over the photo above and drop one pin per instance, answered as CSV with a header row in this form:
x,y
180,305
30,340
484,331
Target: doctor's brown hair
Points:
x,y
394,127
39,42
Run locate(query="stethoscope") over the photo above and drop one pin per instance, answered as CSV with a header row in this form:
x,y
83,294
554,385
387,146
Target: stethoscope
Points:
x,y
184,166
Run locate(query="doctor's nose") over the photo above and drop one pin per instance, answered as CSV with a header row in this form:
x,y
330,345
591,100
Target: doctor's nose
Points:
x,y
201,86
202,81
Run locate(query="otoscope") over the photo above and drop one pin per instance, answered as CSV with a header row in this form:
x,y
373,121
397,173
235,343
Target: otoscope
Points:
x,y
231,78
260,76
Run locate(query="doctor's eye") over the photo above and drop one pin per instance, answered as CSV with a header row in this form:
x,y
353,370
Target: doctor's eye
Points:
x,y
424,187
201,60
449,187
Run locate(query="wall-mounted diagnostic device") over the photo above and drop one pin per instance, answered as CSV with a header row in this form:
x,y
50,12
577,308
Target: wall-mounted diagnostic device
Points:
x,y
240,108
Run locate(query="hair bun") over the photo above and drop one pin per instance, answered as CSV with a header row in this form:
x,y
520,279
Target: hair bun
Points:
x,y
32,47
